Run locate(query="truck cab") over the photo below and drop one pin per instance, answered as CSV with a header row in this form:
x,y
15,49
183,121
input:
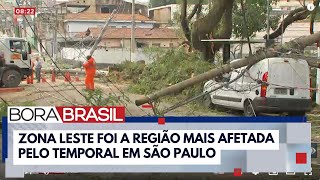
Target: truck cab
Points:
x,y
15,61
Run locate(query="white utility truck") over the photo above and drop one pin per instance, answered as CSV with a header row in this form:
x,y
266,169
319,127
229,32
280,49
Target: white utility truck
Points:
x,y
15,61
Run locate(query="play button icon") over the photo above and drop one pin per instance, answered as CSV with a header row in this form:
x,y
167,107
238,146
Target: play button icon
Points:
x,y
314,150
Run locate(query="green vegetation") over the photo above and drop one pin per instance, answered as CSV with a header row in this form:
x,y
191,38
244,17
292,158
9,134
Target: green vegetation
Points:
x,y
172,67
131,70
98,98
255,12
3,109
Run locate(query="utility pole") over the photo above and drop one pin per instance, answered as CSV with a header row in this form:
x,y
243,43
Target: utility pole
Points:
x,y
318,79
95,45
39,26
132,53
24,22
24,27
268,21
55,35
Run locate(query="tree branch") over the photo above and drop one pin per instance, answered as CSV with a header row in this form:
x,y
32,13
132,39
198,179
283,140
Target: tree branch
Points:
x,y
199,11
195,10
313,16
301,42
295,15
302,3
205,25
183,20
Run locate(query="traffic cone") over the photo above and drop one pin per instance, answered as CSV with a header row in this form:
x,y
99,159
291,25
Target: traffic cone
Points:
x,y
66,77
43,77
77,79
69,77
53,76
31,78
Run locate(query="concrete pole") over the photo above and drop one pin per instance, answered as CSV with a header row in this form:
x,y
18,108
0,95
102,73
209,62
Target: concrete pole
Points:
x,y
132,55
55,44
318,81
94,47
268,23
282,29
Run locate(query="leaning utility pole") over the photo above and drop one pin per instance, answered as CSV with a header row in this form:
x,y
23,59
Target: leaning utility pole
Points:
x,y
132,50
94,47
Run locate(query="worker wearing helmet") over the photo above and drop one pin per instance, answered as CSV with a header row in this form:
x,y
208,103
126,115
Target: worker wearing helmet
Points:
x,y
90,68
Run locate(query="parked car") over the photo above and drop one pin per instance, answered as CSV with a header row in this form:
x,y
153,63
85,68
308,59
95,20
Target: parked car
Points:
x,y
273,85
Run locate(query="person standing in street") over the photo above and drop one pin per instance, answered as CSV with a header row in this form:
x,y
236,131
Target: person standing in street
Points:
x,y
37,67
90,68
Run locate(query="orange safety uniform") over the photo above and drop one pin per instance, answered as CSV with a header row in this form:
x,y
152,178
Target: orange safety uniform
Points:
x,y
90,68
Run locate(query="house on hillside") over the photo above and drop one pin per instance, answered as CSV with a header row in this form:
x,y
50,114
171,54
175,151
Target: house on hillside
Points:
x,y
6,20
166,15
290,4
107,6
144,37
80,22
114,47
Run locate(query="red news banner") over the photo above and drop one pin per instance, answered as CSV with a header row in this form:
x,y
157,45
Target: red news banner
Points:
x,y
63,114
24,10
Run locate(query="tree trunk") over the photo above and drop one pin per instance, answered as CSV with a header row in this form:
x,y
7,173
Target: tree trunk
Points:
x,y
184,21
299,43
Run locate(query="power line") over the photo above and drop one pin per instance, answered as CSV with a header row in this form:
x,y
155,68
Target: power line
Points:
x,y
48,53
81,53
30,67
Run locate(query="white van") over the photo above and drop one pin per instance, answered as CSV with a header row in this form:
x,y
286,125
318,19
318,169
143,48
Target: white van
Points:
x,y
273,85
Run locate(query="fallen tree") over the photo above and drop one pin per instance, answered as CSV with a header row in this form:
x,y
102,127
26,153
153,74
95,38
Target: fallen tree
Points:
x,y
296,45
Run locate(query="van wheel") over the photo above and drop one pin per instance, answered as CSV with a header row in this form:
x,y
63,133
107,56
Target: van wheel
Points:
x,y
248,109
11,78
207,101
297,113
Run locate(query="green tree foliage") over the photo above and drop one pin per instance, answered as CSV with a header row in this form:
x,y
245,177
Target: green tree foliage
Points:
x,y
256,15
157,3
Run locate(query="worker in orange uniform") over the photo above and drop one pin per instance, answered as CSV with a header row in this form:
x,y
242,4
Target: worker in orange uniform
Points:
x,y
90,68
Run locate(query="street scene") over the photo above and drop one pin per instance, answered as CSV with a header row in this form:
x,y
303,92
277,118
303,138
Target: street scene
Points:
x,y
164,58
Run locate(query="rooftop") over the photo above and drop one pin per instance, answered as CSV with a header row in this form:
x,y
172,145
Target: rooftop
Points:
x,y
6,7
140,33
104,16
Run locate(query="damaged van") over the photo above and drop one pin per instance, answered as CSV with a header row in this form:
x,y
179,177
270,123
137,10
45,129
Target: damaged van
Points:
x,y
273,85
